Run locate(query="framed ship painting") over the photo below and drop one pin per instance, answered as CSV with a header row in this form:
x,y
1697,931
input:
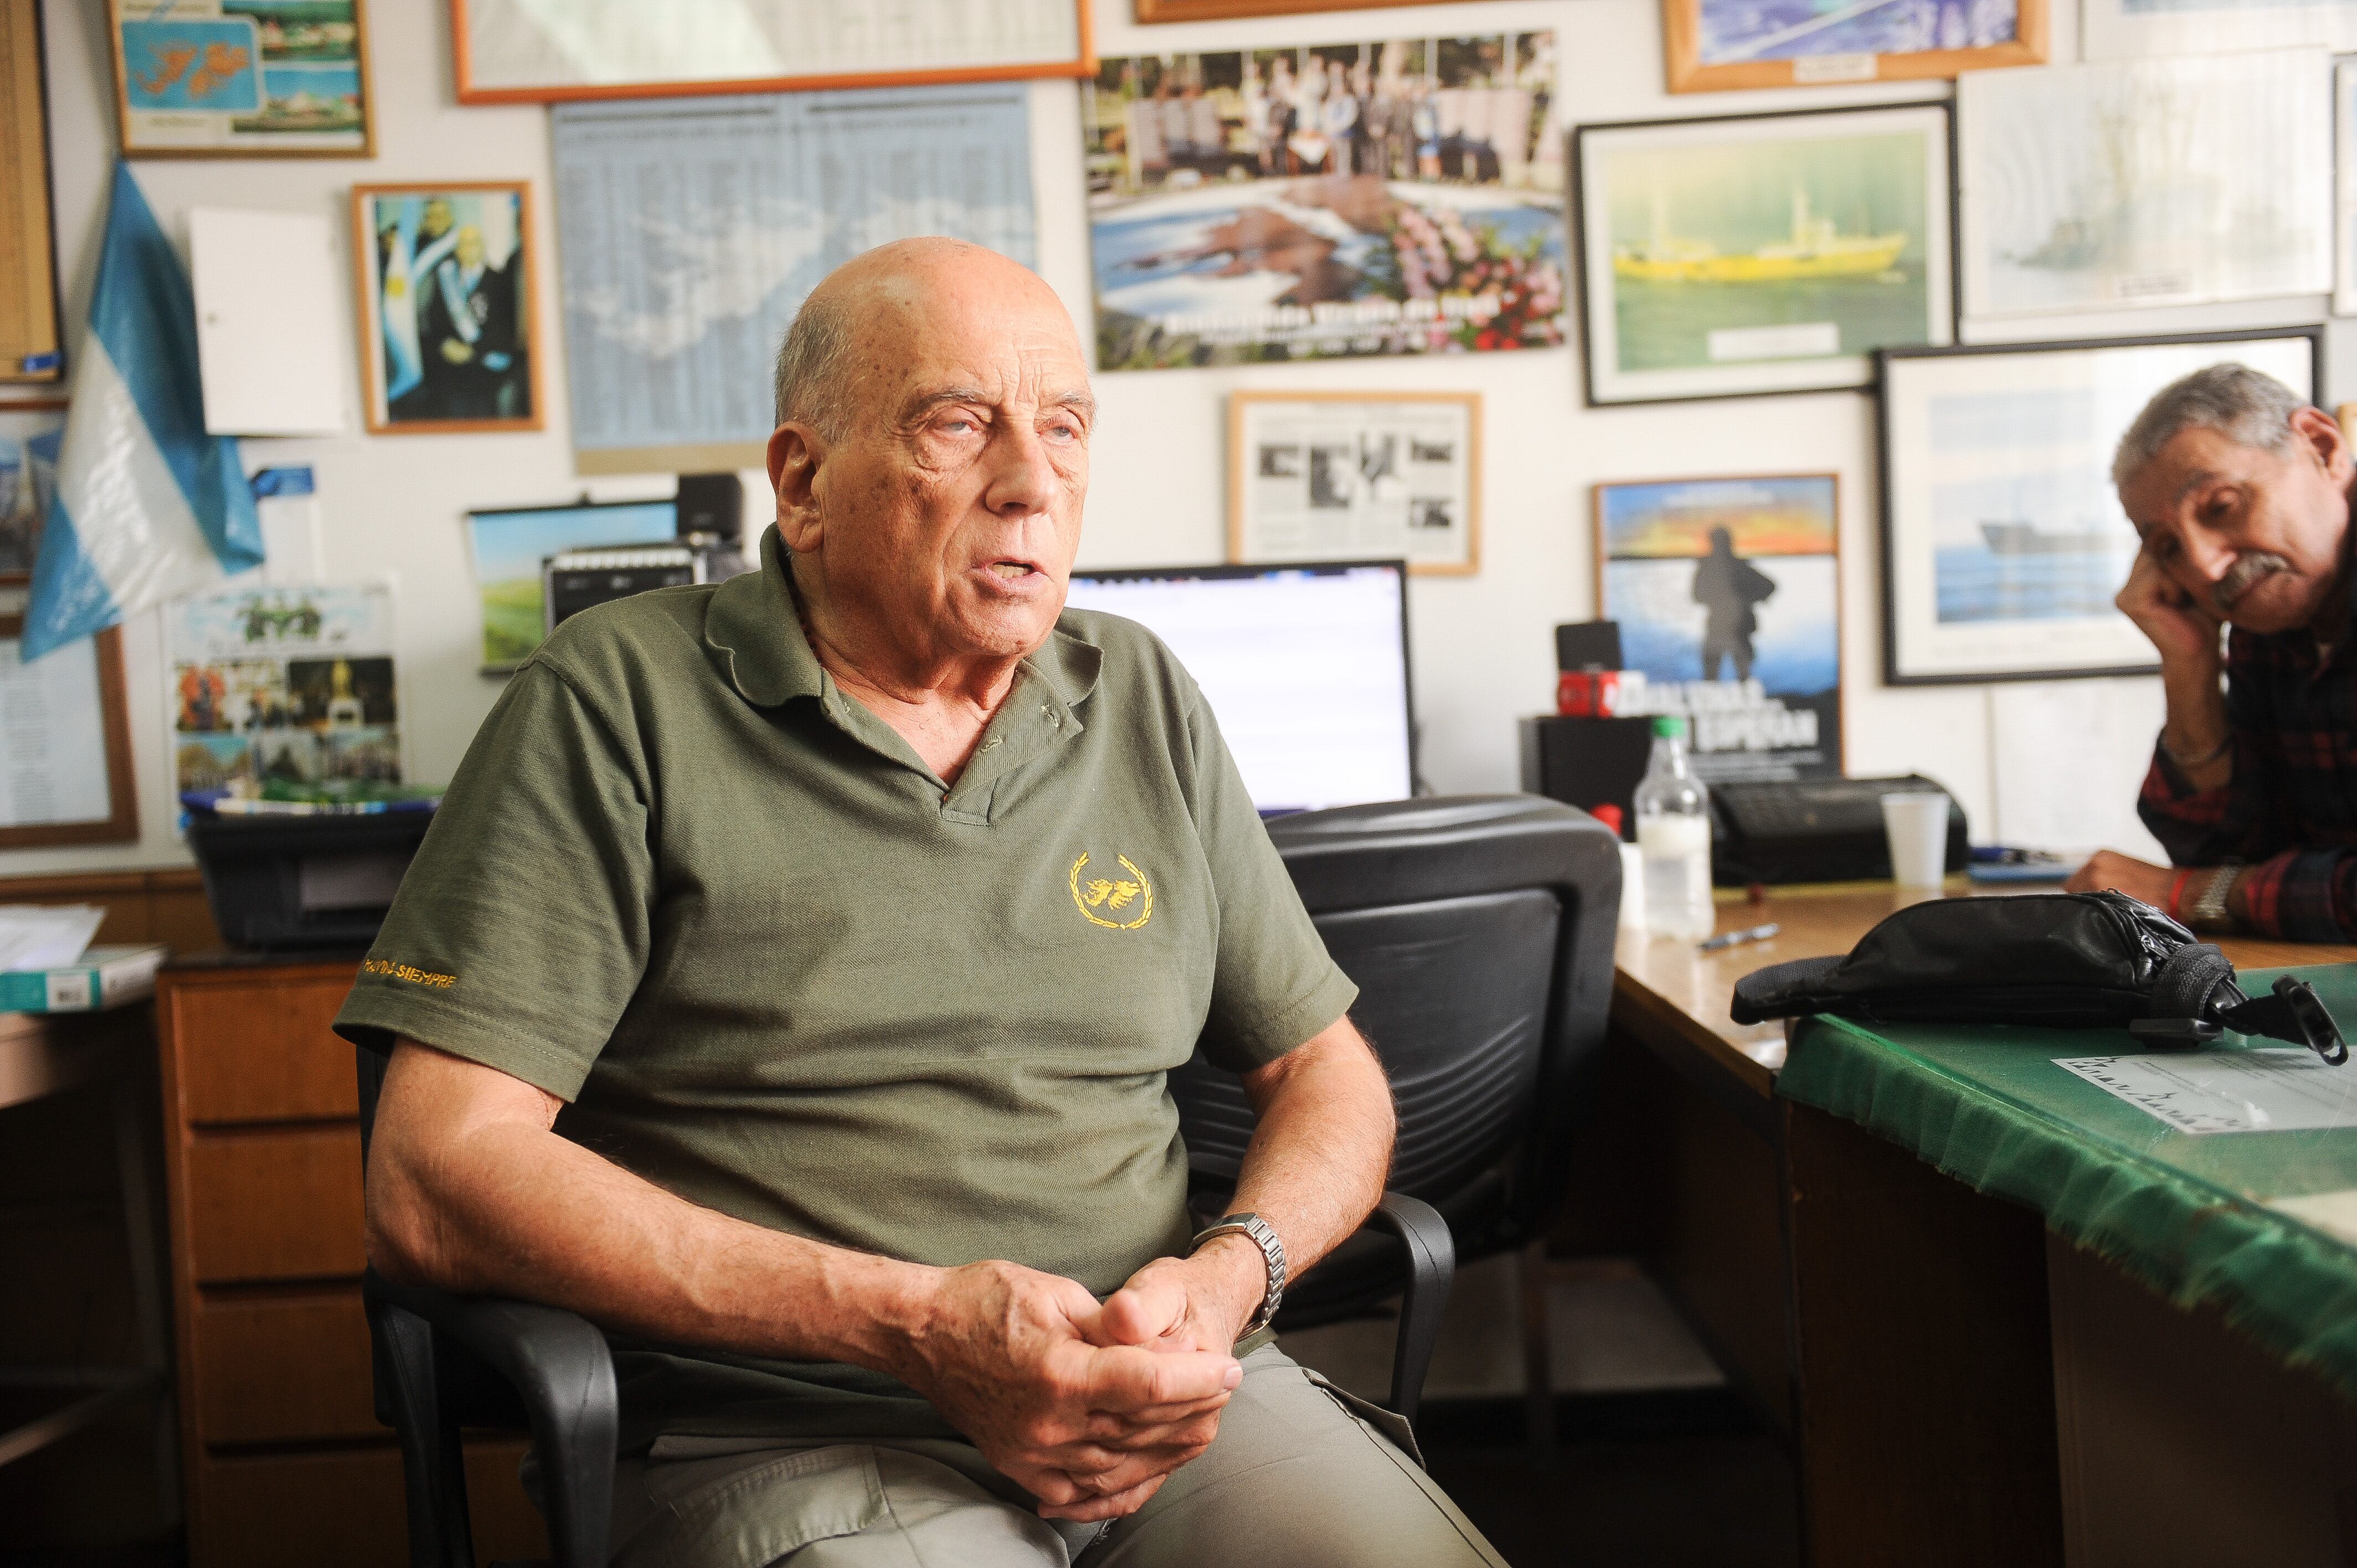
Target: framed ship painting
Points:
x,y
2003,543
1762,253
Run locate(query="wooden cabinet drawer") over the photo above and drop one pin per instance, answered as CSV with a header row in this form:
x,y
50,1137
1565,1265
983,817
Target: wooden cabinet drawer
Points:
x,y
251,1053
281,1369
298,1511
274,1206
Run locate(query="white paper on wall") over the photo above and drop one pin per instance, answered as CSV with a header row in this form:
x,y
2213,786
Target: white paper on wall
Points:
x,y
2068,757
270,322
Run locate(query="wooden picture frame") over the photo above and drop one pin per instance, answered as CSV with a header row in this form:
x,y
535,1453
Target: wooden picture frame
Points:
x,y
445,403
32,339
181,72
1149,12
121,823
467,72
1830,706
1402,526
2022,601
1683,46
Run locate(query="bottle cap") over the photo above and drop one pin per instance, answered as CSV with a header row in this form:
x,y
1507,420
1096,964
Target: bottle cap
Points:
x,y
1670,726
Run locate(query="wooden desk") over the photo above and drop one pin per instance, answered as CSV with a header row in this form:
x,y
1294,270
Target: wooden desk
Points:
x,y
1914,1340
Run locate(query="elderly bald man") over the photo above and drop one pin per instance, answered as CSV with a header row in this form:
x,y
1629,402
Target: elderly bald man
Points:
x,y
2240,489
788,984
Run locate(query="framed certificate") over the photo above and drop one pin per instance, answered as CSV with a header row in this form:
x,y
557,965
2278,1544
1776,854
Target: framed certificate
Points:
x,y
1356,475
65,744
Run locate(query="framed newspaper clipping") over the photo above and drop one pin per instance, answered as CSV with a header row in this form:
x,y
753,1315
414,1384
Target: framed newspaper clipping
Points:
x,y
1352,476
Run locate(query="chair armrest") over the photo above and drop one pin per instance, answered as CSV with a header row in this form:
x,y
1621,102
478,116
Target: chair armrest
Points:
x,y
1431,1266
560,1372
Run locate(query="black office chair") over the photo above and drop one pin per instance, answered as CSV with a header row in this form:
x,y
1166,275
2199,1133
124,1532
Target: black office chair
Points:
x,y
1480,929
1472,928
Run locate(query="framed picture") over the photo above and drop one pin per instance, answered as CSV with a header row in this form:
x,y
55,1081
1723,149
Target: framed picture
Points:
x,y
445,275
30,435
223,78
2125,29
1729,596
30,344
2003,542
1710,45
2155,182
1149,11
1766,254
1356,475
1369,197
509,544
77,786
519,51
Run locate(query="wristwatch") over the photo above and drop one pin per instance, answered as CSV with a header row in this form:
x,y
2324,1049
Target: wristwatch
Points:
x,y
2209,913
1263,1235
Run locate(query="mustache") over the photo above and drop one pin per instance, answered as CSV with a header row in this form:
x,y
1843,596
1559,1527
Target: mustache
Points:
x,y
2249,570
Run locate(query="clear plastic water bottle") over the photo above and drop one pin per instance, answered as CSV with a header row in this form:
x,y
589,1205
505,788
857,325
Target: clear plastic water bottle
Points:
x,y
1674,837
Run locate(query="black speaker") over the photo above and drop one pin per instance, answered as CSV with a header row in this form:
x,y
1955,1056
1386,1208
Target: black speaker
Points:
x,y
712,504
1587,763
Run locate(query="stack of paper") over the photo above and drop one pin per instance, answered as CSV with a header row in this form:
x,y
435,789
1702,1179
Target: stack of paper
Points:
x,y
36,936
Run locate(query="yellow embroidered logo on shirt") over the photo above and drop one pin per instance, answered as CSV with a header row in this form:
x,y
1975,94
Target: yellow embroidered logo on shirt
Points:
x,y
410,973
1101,899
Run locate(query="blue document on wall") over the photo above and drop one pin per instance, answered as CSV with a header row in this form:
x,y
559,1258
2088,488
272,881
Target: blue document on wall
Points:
x,y
690,229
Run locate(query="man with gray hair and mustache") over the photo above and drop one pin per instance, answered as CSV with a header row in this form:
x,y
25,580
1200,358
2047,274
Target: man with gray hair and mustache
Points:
x,y
2240,489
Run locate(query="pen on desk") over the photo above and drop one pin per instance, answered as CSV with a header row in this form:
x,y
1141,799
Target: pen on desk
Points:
x,y
1756,934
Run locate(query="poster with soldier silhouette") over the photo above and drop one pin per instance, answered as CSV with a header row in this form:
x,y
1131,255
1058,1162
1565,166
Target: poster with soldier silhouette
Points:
x,y
241,78
1392,196
296,685
1728,598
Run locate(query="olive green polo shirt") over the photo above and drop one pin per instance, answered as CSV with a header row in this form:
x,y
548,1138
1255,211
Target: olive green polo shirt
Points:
x,y
686,883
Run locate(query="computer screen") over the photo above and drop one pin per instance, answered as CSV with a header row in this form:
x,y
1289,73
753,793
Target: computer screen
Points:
x,y
1305,666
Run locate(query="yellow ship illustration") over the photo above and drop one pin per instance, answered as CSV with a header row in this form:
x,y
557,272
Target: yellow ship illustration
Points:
x,y
1814,251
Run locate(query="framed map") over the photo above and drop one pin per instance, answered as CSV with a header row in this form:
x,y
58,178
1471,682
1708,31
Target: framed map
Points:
x,y
522,52
211,79
690,229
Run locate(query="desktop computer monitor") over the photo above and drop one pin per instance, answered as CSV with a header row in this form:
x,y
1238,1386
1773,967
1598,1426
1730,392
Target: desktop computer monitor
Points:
x,y
1305,667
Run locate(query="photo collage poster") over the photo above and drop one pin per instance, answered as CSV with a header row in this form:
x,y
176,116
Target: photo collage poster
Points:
x,y
293,684
1391,196
1727,595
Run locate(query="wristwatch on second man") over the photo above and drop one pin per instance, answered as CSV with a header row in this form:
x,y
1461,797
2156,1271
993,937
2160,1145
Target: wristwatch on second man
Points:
x,y
2210,914
1262,1234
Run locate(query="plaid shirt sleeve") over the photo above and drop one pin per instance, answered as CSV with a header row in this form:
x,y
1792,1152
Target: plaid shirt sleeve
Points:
x,y
2300,895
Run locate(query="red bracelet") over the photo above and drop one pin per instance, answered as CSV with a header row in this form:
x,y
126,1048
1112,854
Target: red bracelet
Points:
x,y
2177,894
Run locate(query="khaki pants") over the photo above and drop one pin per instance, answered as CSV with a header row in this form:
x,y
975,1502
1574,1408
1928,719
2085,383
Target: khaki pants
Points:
x,y
1300,1476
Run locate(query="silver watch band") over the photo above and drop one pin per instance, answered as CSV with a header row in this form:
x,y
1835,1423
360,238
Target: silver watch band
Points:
x,y
1262,1234
2209,913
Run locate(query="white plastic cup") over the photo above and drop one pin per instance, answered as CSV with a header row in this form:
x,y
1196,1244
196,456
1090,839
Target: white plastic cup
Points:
x,y
1916,823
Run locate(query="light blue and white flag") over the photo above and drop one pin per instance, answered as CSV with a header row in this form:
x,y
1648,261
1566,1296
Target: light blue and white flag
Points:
x,y
147,505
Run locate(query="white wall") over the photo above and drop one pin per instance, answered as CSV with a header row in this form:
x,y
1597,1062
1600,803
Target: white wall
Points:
x,y
1482,651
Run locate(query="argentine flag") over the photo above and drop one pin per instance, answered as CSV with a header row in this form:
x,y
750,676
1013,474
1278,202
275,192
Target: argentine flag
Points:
x,y
148,506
